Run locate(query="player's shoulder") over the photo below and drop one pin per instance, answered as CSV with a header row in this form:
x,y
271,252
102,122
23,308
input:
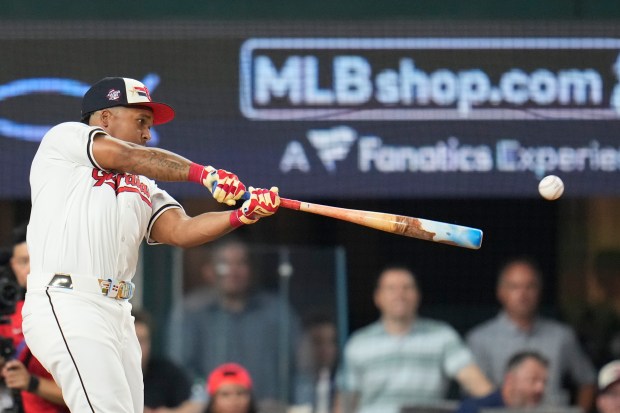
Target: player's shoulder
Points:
x,y
70,126
68,129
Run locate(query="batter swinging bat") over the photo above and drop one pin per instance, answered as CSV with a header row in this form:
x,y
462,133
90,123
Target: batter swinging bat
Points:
x,y
425,229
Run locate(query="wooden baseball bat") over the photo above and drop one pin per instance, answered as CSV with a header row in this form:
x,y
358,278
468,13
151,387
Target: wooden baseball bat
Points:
x,y
442,232
425,229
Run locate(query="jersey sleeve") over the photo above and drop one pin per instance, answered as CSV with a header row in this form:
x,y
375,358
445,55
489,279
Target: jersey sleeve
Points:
x,y
161,201
72,142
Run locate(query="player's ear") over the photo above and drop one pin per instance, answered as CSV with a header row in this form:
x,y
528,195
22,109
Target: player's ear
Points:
x,y
104,116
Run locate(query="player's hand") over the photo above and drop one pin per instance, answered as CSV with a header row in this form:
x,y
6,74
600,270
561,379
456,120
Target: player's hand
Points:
x,y
223,185
15,375
262,203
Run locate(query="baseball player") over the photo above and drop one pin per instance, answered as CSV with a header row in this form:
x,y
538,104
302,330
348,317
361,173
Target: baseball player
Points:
x,y
93,201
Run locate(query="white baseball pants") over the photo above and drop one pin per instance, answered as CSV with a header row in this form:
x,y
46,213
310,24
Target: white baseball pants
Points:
x,y
88,343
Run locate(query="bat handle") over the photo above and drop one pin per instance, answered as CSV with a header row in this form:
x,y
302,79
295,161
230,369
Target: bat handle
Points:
x,y
244,197
290,203
284,202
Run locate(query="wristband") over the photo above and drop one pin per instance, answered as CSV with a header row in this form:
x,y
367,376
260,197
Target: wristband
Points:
x,y
235,222
33,384
237,219
197,173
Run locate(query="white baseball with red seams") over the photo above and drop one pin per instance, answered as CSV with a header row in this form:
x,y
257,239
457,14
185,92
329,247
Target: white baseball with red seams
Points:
x,y
551,187
89,223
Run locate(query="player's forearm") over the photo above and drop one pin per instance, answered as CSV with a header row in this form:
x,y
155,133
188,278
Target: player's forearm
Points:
x,y
155,163
176,228
204,228
116,155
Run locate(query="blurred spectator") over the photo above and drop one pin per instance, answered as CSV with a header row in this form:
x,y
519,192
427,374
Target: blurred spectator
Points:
x,y
318,357
523,385
167,389
205,281
241,324
6,398
598,321
518,327
230,390
23,372
403,359
608,398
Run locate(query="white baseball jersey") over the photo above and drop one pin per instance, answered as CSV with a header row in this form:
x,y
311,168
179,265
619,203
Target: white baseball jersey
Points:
x,y
86,220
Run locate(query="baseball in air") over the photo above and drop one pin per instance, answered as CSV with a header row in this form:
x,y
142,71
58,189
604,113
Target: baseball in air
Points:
x,y
551,187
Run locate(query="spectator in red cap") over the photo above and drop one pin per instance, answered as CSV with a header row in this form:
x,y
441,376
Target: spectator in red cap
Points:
x,y
608,399
230,390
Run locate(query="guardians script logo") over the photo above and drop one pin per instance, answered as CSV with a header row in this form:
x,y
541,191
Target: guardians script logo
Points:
x,y
122,183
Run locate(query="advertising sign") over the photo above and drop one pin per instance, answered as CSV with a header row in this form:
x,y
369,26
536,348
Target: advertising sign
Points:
x,y
362,116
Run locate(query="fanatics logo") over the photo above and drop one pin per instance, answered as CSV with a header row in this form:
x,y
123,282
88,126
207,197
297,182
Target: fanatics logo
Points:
x,y
114,94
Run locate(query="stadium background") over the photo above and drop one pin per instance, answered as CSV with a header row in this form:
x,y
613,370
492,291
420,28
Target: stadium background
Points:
x,y
194,49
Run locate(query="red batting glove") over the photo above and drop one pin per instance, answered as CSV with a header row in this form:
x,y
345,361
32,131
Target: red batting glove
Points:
x,y
262,203
223,185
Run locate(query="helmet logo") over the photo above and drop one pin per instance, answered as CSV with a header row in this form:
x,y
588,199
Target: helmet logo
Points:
x,y
113,94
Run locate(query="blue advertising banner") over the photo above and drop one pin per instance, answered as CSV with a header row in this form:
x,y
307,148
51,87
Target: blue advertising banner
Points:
x,y
366,115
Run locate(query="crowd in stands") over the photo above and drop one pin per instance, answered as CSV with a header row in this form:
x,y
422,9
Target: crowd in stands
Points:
x,y
234,347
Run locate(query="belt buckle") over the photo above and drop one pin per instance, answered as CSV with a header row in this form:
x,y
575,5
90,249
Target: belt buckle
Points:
x,y
120,290
126,290
61,280
113,289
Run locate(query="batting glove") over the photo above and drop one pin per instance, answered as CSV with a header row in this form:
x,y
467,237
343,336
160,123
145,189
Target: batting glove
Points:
x,y
223,185
262,203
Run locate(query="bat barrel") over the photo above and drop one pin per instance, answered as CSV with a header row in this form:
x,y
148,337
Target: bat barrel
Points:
x,y
425,229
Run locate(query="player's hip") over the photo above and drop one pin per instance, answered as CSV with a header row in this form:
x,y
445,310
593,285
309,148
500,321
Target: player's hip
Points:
x,y
65,314
90,284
